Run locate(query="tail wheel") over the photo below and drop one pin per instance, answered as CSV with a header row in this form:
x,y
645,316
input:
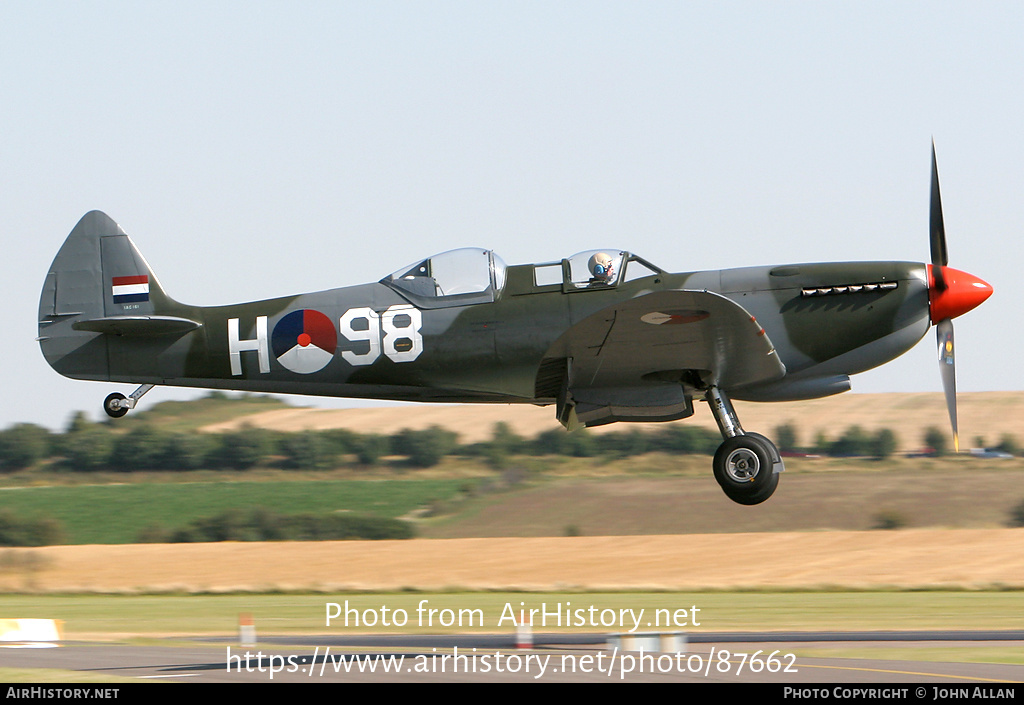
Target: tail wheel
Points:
x,y
743,467
114,407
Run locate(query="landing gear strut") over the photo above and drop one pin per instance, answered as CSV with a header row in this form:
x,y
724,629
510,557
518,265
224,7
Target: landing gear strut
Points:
x,y
117,405
747,465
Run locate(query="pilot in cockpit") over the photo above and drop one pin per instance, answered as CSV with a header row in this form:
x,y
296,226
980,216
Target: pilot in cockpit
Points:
x,y
602,269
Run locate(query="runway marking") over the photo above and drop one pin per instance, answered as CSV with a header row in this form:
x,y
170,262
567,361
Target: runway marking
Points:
x,y
35,645
907,673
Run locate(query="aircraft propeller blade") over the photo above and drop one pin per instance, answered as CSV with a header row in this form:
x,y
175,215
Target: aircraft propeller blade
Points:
x,y
940,256
944,327
947,368
951,294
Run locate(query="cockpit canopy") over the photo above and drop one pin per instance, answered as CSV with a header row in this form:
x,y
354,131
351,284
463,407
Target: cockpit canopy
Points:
x,y
472,275
454,278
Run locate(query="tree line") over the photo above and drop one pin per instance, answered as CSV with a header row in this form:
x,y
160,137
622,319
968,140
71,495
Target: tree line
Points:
x,y
86,446
881,443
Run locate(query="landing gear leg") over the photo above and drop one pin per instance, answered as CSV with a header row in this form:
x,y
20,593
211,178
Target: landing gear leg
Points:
x,y
117,405
747,465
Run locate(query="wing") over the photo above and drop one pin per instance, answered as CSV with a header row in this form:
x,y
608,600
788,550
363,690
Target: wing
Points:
x,y
639,353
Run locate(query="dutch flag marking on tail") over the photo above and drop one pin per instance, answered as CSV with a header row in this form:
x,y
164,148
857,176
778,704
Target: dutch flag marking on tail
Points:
x,y
130,290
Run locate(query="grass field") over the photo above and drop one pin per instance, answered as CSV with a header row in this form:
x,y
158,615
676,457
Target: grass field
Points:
x,y
916,559
117,513
812,495
98,616
650,494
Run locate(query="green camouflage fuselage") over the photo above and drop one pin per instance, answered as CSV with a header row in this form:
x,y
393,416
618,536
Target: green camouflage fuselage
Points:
x,y
515,343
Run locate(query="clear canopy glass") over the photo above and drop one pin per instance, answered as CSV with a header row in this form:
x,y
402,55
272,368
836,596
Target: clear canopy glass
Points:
x,y
467,271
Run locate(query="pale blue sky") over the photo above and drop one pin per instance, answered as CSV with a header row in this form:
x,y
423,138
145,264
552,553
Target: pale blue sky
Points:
x,y
259,149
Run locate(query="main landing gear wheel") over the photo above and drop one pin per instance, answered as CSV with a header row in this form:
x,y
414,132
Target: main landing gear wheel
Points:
x,y
743,467
116,405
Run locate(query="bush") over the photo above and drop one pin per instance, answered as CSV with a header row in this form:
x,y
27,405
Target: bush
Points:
x,y
39,531
785,437
79,421
22,446
883,443
243,449
262,524
551,442
581,444
623,444
1017,515
142,447
188,451
854,442
425,448
889,519
370,448
307,450
680,438
339,441
1008,444
153,533
503,444
335,527
822,445
89,448
936,440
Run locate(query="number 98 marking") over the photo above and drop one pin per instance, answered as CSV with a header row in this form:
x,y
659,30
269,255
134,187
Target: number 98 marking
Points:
x,y
396,330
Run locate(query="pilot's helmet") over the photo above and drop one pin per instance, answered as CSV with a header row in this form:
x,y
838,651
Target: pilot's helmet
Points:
x,y
601,266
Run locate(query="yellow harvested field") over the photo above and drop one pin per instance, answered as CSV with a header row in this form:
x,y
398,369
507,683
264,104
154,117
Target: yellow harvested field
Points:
x,y
990,414
969,558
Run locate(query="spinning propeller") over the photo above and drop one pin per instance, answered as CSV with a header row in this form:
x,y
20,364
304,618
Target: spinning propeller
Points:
x,y
950,293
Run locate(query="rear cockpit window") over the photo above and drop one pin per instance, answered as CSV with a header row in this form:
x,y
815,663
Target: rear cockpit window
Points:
x,y
467,275
547,274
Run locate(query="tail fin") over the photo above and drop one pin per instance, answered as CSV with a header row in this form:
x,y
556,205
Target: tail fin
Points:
x,y
97,277
99,272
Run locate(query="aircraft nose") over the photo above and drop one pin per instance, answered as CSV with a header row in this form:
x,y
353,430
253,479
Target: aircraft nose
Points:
x,y
963,292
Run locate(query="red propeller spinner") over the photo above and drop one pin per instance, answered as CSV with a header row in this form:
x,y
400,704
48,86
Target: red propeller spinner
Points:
x,y
962,292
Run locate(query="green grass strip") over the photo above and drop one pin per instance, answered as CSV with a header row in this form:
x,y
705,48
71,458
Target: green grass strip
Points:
x,y
117,513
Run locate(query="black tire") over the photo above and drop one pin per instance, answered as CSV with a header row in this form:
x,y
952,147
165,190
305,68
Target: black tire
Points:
x,y
114,412
743,467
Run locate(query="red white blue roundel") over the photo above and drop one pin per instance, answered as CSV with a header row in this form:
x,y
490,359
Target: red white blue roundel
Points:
x,y
304,341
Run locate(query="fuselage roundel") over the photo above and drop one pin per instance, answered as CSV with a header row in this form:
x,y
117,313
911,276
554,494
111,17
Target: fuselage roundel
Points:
x,y
304,341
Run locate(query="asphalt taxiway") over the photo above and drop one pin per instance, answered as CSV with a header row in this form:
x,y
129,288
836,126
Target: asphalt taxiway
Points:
x,y
707,658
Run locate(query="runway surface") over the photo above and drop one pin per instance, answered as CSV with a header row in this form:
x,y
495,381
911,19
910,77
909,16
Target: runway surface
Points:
x,y
707,658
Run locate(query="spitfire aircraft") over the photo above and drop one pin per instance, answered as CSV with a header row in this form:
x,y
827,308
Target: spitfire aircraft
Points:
x,y
603,335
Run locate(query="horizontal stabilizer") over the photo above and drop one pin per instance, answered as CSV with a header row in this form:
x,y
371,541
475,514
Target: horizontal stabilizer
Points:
x,y
138,325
